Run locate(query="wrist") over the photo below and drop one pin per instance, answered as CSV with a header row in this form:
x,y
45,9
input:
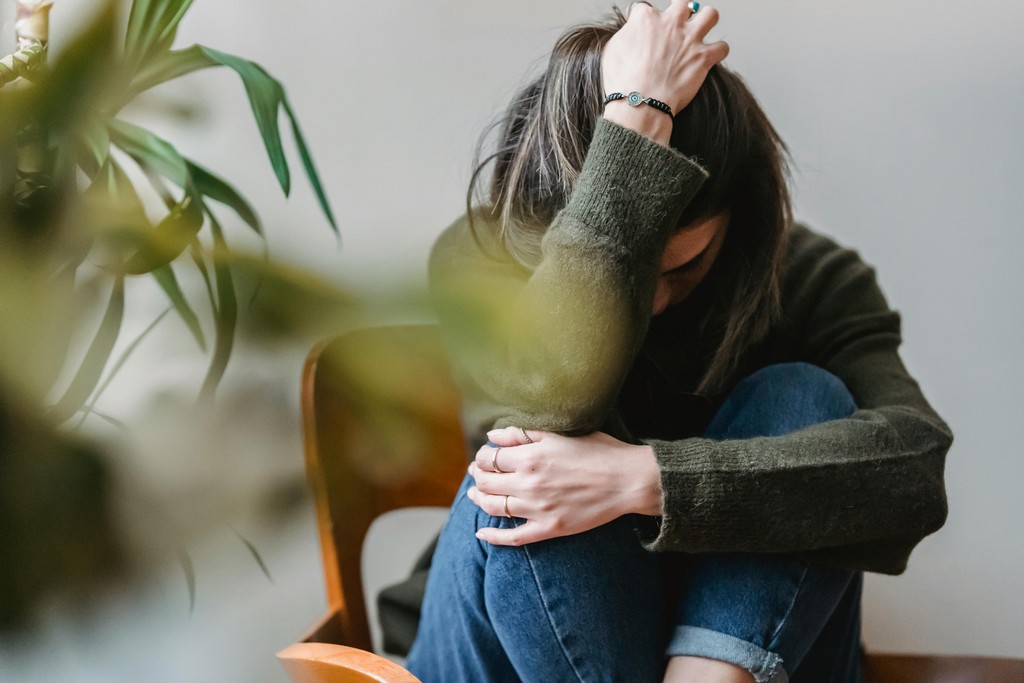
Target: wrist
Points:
x,y
645,120
646,499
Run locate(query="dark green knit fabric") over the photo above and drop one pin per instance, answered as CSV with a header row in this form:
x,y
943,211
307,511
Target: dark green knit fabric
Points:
x,y
572,347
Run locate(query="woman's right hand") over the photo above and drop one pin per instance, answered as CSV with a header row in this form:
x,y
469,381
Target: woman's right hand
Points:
x,y
660,54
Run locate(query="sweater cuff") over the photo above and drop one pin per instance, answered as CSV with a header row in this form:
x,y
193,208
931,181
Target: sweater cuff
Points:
x,y
678,462
632,189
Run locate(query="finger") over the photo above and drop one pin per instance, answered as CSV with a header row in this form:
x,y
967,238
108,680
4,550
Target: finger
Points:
x,y
491,482
679,9
530,532
646,7
703,21
495,505
513,436
716,52
499,459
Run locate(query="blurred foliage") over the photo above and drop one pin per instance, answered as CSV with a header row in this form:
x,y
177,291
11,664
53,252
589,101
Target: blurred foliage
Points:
x,y
75,231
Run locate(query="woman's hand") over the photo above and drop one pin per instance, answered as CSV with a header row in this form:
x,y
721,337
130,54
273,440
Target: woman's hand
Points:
x,y
660,55
562,485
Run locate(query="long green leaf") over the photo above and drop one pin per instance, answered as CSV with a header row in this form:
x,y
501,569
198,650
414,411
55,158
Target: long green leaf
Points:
x,y
122,359
167,280
152,26
255,553
267,97
167,66
96,358
190,577
95,140
219,190
227,313
308,164
175,232
196,251
141,144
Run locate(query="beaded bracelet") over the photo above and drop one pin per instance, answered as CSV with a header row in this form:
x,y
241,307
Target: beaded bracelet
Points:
x,y
635,99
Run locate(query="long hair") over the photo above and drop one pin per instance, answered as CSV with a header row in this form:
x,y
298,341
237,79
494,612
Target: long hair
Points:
x,y
545,134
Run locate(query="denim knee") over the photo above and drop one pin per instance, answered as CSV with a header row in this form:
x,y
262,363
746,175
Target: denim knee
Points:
x,y
779,399
762,612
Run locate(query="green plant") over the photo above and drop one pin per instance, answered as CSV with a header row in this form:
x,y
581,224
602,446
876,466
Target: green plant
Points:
x,y
73,216
75,230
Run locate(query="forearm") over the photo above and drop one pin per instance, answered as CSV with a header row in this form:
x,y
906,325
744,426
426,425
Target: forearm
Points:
x,y
864,480
549,349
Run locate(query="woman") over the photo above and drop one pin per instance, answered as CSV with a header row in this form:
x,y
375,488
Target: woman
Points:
x,y
699,432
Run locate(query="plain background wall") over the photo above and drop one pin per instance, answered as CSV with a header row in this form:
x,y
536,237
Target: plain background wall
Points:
x,y
904,120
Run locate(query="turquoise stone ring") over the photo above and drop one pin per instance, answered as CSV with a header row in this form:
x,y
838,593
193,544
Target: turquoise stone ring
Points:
x,y
694,6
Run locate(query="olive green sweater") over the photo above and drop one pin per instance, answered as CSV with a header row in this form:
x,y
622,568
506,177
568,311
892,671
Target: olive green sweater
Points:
x,y
571,347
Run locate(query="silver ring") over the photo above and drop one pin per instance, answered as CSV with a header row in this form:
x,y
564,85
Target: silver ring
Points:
x,y
637,2
694,7
506,507
494,461
525,435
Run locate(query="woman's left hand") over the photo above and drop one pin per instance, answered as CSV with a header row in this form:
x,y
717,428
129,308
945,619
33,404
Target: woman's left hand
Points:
x,y
561,485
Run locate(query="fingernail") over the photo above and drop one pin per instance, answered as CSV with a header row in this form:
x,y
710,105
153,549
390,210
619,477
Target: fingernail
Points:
x,y
493,432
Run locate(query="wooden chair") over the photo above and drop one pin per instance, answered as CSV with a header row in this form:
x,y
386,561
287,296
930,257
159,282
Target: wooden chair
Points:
x,y
382,431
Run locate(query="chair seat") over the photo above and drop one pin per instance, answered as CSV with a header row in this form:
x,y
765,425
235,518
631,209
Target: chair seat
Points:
x,y
328,663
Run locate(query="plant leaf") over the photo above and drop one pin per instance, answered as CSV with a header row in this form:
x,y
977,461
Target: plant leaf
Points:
x,y
267,96
165,277
152,26
226,315
255,553
219,190
122,359
96,358
308,164
167,66
95,140
175,232
140,143
196,251
190,578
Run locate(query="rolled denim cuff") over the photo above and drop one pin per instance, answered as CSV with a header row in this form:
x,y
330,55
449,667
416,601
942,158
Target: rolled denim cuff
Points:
x,y
694,641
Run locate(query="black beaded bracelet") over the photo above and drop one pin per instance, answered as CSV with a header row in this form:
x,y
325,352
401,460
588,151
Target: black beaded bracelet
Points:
x,y
635,99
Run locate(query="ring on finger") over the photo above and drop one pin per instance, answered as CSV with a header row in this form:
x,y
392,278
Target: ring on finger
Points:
x,y
694,7
494,461
507,514
525,435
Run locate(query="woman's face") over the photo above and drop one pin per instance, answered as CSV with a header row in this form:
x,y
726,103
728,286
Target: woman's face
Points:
x,y
688,256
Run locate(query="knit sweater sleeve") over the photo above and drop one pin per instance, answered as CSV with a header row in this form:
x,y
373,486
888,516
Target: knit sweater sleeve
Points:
x,y
549,348
858,492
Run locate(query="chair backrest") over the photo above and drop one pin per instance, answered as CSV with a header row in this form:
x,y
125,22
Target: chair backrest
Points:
x,y
382,431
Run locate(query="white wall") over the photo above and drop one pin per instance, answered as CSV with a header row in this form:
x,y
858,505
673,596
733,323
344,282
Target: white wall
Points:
x,y
904,121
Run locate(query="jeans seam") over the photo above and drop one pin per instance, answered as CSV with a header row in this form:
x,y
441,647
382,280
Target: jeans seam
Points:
x,y
789,610
547,613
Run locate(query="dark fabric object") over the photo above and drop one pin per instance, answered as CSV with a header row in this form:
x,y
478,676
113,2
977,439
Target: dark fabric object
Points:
x,y
399,606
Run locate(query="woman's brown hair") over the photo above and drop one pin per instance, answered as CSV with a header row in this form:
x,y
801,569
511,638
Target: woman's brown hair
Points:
x,y
544,138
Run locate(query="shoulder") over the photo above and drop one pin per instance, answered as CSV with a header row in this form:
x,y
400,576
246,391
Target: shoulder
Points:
x,y
822,272
831,298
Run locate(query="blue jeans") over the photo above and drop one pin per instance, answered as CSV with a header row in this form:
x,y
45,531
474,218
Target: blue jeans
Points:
x,y
597,606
